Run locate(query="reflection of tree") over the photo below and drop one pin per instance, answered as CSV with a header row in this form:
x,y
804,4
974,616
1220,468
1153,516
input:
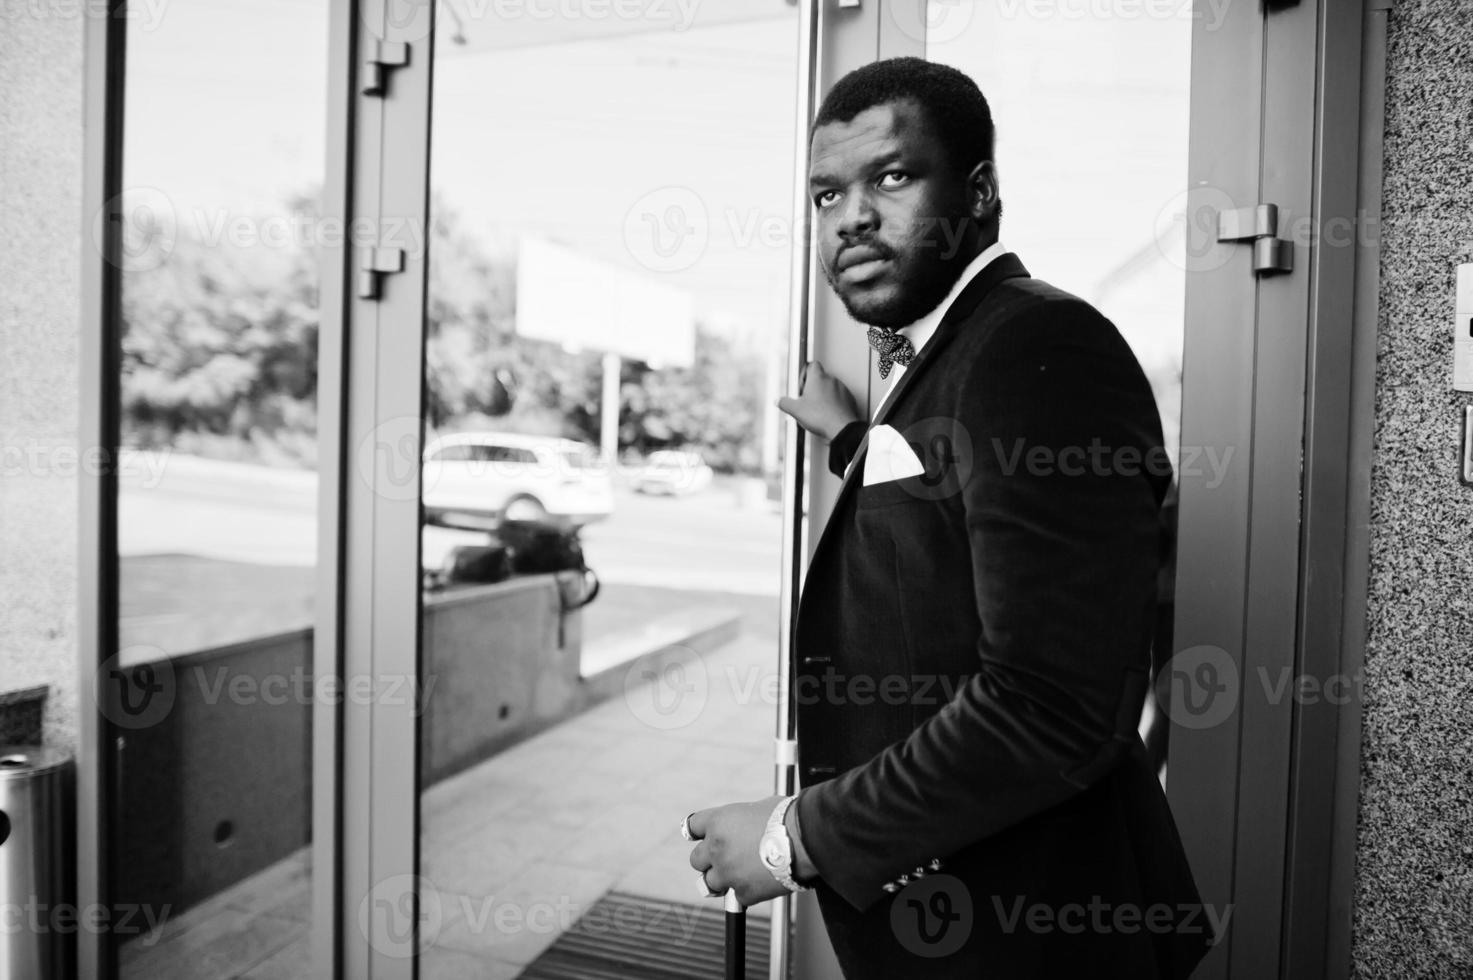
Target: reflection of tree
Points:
x,y
219,351
481,374
220,359
714,406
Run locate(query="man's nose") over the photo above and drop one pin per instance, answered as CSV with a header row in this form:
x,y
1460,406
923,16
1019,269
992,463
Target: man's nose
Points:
x,y
858,219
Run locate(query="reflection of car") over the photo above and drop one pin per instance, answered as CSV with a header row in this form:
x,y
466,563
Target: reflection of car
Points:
x,y
478,479
672,472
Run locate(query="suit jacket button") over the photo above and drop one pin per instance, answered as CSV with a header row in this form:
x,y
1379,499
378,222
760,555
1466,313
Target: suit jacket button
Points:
x,y
920,872
891,887
904,880
935,864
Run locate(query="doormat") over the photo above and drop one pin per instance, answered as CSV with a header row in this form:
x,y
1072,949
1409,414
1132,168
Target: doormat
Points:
x,y
626,937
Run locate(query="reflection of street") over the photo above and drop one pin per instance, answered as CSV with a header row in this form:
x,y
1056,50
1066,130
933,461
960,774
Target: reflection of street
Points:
x,y
710,541
714,540
220,552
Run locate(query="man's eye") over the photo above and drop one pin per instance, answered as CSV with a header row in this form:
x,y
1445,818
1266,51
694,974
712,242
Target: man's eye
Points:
x,y
894,178
825,198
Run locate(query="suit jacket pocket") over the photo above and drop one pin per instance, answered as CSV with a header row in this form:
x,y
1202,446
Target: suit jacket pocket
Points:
x,y
889,493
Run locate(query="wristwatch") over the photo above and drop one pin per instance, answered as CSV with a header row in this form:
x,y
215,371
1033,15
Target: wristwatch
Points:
x,y
775,849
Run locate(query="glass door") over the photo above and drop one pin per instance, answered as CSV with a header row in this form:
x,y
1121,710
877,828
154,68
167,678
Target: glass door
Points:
x,y
609,257
210,694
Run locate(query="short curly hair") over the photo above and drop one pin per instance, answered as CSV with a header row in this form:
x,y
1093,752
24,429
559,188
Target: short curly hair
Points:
x,y
952,103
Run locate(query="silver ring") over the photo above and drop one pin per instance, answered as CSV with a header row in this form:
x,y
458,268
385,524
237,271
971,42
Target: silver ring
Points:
x,y
706,891
685,827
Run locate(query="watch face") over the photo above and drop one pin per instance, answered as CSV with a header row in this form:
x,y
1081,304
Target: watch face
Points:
x,y
771,852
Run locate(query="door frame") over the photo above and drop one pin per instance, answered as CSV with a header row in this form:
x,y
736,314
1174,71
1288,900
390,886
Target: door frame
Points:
x,y
103,59
1303,131
1274,574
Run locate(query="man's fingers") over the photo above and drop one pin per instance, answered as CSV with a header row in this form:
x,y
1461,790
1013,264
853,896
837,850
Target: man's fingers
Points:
x,y
698,823
813,369
715,881
700,856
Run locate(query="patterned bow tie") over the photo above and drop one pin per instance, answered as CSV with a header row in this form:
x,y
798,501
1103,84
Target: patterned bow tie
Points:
x,y
893,348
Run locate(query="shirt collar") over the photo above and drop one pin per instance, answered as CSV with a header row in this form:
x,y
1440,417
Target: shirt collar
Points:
x,y
921,330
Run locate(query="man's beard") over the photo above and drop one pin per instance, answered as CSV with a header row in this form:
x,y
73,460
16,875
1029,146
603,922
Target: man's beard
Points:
x,y
920,289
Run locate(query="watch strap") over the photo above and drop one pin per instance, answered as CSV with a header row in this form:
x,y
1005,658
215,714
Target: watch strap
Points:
x,y
775,826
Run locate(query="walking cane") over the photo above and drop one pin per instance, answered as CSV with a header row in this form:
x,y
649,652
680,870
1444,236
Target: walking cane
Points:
x,y
736,938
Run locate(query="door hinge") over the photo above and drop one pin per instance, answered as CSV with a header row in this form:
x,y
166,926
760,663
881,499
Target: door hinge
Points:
x,y
1260,225
382,56
375,262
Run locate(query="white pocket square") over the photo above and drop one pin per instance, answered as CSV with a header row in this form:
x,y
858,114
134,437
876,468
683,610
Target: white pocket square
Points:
x,y
889,457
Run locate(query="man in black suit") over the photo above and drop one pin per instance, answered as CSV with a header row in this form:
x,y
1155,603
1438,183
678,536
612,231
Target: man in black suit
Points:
x,y
973,640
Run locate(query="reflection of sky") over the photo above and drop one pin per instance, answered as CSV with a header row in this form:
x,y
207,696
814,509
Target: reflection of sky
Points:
x,y
1092,147
226,104
562,141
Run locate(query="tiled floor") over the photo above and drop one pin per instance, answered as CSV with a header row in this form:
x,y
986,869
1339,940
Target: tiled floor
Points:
x,y
516,848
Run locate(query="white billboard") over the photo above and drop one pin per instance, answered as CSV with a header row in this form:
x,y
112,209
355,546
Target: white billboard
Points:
x,y
585,304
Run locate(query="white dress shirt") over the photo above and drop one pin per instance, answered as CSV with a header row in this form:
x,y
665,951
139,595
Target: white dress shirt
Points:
x,y
921,330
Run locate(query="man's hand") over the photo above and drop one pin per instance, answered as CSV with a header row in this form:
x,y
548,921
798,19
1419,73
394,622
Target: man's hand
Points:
x,y
824,405
726,850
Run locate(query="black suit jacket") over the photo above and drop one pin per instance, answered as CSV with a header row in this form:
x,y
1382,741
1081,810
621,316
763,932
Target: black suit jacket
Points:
x,y
973,652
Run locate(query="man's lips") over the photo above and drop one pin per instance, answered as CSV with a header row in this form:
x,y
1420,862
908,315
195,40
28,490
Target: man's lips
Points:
x,y
859,264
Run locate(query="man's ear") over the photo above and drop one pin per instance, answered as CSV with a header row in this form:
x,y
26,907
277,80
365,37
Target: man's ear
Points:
x,y
983,195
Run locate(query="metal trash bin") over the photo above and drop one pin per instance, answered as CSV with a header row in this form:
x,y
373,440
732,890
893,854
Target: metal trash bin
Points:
x,y
37,834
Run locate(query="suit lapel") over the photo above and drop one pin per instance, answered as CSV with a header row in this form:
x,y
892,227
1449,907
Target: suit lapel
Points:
x,y
1005,266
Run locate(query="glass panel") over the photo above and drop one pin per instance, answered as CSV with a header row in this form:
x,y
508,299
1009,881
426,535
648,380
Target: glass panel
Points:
x,y
211,693
1091,118
608,301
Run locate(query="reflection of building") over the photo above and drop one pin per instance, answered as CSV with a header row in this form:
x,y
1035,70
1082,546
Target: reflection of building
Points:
x,y
584,304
